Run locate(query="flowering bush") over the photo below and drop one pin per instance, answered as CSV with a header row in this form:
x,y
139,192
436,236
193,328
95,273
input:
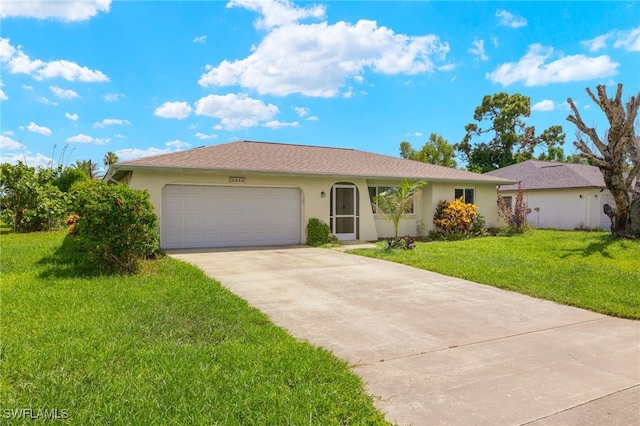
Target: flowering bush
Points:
x,y
516,217
455,217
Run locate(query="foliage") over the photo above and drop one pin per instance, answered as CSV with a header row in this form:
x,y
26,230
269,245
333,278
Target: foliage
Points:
x,y
29,199
514,216
590,270
68,176
421,228
319,233
396,202
455,218
435,151
168,346
88,167
404,243
110,158
512,142
622,146
117,224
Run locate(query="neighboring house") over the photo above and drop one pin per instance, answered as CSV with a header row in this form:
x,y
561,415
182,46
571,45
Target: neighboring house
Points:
x,y
559,195
257,193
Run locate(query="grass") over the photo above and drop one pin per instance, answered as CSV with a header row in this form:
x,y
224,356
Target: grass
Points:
x,y
169,346
590,270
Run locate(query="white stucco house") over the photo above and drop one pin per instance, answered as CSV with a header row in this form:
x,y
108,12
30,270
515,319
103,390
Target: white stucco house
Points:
x,y
559,195
258,193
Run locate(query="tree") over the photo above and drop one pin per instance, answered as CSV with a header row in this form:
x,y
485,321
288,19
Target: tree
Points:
x,y
89,167
512,142
612,154
435,151
396,202
110,158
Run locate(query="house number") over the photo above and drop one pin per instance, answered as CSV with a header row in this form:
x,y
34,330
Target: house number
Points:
x,y
237,180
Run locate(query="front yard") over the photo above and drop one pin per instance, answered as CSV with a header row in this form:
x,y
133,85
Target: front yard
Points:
x,y
590,270
169,346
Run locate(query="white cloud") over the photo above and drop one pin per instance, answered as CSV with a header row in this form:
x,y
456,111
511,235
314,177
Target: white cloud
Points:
x,y
494,41
204,136
275,124
19,63
113,97
3,96
276,13
179,110
26,87
625,39
9,144
201,39
301,111
235,111
72,117
128,154
37,160
70,11
478,50
63,93
178,144
545,105
110,122
34,128
597,43
508,19
318,59
531,69
82,138
313,118
46,101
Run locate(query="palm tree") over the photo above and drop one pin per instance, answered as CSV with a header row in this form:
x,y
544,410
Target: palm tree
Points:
x,y
89,167
396,202
110,158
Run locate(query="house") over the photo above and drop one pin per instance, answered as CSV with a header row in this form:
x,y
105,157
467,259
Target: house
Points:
x,y
258,193
559,195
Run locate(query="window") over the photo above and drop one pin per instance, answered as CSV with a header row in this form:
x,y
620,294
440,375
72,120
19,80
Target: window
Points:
x,y
375,190
508,201
468,195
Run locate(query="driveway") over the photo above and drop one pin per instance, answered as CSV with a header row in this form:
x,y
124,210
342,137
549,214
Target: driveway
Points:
x,y
439,350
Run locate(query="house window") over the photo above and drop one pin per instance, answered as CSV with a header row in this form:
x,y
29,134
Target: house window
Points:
x,y
375,190
508,201
468,195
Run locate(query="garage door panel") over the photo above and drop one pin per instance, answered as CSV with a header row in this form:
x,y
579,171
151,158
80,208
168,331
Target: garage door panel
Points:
x,y
210,216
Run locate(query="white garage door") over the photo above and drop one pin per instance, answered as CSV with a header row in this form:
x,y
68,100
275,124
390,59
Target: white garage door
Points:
x,y
225,216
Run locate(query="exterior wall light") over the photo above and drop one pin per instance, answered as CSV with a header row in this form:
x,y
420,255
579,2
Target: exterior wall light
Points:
x,y
323,194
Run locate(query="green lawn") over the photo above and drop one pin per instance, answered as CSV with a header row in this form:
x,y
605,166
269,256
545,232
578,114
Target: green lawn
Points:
x,y
169,346
591,270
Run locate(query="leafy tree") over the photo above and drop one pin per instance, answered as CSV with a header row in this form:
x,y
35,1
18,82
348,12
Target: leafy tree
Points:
x,y
110,158
29,200
396,202
89,167
435,151
68,176
612,154
513,141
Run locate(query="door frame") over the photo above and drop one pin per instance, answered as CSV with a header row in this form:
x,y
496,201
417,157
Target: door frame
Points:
x,y
354,215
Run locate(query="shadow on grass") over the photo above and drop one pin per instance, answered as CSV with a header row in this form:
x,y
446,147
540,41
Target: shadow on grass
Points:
x,y
598,246
70,261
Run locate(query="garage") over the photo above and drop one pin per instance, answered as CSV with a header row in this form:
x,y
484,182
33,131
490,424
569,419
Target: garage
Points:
x,y
195,216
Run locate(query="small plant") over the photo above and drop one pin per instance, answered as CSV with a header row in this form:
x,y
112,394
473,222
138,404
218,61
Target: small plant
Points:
x,y
404,243
456,218
319,233
515,218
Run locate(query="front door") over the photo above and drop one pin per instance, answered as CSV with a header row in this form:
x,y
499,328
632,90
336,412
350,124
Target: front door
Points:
x,y
344,211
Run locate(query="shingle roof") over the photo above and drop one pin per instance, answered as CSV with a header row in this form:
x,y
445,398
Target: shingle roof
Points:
x,y
266,157
536,174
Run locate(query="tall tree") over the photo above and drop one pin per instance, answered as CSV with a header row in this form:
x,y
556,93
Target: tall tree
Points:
x,y
435,151
395,203
513,141
110,158
89,167
619,147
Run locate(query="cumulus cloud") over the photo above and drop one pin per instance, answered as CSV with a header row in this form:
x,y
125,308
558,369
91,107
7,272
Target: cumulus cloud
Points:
x,y
3,96
113,97
508,19
179,110
82,138
6,143
478,50
128,154
622,39
275,124
72,117
37,160
34,128
63,93
236,111
69,11
20,63
318,59
533,70
178,144
545,105
201,39
301,111
110,122
205,136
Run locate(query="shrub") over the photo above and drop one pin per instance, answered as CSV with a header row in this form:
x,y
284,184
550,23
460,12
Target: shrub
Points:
x,y
405,243
516,217
455,218
117,224
319,233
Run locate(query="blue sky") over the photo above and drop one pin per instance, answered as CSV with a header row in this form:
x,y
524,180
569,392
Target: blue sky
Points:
x,y
80,78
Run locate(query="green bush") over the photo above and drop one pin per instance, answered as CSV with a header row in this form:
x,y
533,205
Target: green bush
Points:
x,y
117,224
319,233
29,199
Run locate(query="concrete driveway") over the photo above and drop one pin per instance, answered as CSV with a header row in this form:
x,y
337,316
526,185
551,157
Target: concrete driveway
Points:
x,y
439,350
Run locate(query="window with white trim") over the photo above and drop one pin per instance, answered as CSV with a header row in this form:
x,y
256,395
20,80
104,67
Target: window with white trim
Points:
x,y
468,195
376,190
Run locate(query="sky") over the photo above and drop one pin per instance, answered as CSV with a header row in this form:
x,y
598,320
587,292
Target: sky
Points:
x,y
139,78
